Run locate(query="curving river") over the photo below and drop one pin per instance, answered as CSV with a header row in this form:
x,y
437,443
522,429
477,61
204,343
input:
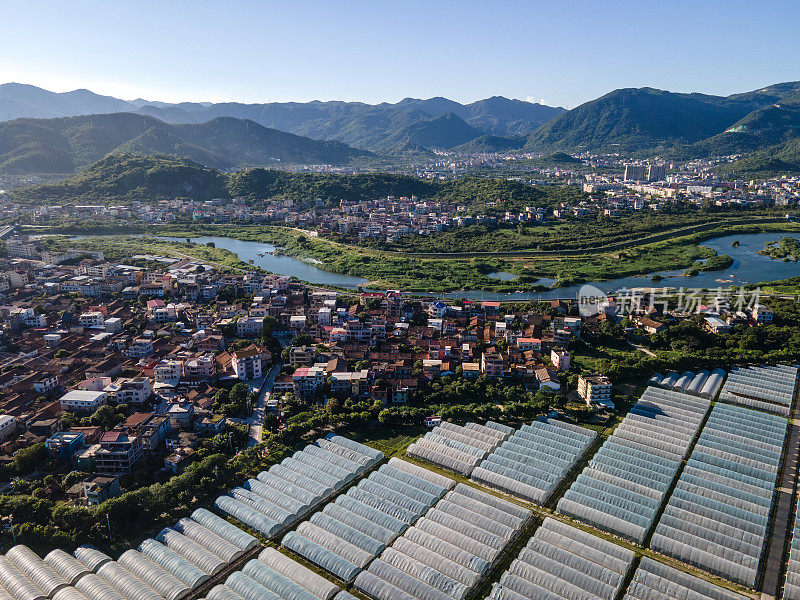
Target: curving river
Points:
x,y
748,267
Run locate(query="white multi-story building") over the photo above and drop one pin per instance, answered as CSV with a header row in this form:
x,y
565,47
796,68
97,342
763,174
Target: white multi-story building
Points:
x,y
136,390
8,425
594,389
199,367
168,370
92,319
20,246
247,363
324,316
113,324
560,358
93,270
141,347
307,380
249,326
82,400
46,383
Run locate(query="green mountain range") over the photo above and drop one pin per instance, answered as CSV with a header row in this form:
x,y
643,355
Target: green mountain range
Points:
x,y
126,177
637,121
65,144
357,124
776,160
647,120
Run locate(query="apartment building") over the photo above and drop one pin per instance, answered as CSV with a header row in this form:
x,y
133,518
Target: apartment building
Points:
x,y
136,390
84,401
117,453
249,326
354,384
762,315
141,347
560,358
492,364
92,319
595,390
247,363
168,371
307,380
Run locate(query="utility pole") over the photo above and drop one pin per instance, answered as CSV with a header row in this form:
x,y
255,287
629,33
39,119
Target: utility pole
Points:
x,y
13,535
108,522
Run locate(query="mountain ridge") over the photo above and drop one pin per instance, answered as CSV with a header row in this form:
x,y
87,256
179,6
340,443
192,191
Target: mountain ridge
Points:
x,y
357,124
635,120
65,144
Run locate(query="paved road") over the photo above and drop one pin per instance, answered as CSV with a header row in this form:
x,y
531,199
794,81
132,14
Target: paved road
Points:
x,y
256,419
641,348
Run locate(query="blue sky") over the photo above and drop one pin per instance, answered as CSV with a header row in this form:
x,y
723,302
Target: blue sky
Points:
x,y
560,51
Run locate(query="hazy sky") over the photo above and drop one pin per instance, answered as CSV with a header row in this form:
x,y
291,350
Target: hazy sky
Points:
x,y
561,52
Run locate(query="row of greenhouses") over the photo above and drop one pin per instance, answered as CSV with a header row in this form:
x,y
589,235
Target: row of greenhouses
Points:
x,y
534,461
185,556
274,576
719,513
703,383
769,388
624,485
167,568
458,448
791,590
656,581
448,552
348,533
561,561
287,492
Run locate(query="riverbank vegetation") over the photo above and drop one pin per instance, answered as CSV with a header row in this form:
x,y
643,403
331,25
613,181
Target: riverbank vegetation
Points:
x,y
572,234
787,249
389,270
122,247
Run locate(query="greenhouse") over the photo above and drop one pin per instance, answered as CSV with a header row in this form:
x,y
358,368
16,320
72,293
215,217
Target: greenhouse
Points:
x,y
284,494
447,552
91,557
95,587
225,530
154,575
17,583
534,461
274,576
66,565
42,575
769,388
791,589
350,532
656,581
126,583
174,563
624,485
718,515
561,561
207,561
458,448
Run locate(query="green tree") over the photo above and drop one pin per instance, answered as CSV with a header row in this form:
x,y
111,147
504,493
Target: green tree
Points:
x,y
26,460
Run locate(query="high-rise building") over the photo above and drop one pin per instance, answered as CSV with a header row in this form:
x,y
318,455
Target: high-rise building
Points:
x,y
635,172
656,172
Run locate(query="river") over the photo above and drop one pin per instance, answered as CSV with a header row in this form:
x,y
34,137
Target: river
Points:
x,y
748,267
261,255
